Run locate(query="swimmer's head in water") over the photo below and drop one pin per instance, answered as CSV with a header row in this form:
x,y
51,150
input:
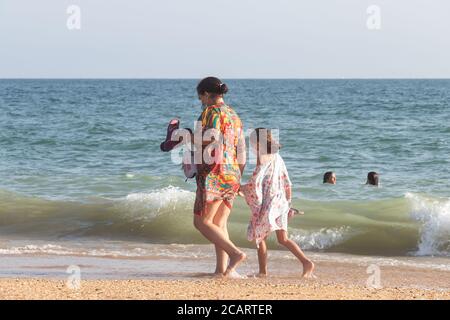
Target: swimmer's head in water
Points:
x,y
373,178
210,89
263,142
329,177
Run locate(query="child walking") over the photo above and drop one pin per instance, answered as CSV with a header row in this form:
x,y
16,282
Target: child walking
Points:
x,y
268,193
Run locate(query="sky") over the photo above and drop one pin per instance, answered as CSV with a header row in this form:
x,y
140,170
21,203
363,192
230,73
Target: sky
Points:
x,y
227,38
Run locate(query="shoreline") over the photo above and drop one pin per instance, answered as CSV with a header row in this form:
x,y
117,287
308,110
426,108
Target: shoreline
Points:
x,y
338,277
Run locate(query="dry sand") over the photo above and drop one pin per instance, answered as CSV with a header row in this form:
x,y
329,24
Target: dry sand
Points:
x,y
204,289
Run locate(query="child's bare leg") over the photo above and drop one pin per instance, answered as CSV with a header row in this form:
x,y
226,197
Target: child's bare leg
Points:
x,y
262,258
308,265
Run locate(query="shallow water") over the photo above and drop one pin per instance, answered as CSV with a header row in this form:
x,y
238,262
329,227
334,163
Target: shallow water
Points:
x,y
128,260
80,159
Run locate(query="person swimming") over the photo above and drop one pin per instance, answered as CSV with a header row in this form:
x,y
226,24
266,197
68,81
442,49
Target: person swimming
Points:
x,y
329,177
373,178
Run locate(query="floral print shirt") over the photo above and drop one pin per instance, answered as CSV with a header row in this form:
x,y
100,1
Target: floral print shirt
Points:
x,y
220,178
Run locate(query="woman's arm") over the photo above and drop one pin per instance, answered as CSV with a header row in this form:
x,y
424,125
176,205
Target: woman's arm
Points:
x,y
210,127
205,142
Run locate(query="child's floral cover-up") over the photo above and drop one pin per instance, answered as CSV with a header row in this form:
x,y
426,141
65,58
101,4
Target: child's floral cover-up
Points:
x,y
266,194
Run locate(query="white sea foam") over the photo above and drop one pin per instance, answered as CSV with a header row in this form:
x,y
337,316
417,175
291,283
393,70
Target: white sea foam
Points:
x,y
434,216
151,204
321,239
37,249
166,251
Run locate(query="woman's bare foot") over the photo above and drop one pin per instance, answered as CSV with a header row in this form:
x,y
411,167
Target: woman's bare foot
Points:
x,y
308,268
234,261
217,275
235,275
261,275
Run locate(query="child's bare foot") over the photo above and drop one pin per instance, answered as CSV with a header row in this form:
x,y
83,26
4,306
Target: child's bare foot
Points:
x,y
234,261
308,268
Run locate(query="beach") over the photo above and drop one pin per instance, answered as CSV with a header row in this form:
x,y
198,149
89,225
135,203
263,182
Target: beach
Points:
x,y
149,148
203,289
85,188
212,289
169,277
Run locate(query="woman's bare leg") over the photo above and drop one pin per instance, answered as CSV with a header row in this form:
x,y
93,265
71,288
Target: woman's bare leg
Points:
x,y
216,235
308,265
221,258
262,258
220,220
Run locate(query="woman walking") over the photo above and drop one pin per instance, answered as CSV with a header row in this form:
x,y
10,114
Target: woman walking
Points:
x,y
219,174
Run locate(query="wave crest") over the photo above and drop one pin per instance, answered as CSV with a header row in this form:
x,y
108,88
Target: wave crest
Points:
x,y
434,217
148,205
322,239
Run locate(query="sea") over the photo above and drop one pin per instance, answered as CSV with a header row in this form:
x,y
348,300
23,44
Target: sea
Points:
x,y
82,174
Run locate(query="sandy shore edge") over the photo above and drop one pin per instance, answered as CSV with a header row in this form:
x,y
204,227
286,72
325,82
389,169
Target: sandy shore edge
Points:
x,y
205,289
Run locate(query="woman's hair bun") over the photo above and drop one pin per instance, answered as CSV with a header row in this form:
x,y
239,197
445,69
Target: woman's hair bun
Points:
x,y
223,88
212,85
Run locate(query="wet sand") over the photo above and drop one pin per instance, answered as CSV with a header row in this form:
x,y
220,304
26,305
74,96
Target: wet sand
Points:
x,y
334,281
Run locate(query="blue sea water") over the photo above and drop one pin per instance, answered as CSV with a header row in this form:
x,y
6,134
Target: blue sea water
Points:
x,y
81,159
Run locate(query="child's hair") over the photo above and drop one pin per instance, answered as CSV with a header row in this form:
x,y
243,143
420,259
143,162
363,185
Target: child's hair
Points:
x,y
263,135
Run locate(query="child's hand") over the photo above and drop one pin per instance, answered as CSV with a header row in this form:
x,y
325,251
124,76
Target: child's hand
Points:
x,y
294,212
